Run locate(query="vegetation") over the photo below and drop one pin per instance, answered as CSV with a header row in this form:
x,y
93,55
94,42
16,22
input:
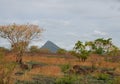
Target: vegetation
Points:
x,y
62,51
80,51
100,60
19,36
34,49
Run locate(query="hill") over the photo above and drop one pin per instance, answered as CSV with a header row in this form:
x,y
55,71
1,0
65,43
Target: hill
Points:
x,y
50,46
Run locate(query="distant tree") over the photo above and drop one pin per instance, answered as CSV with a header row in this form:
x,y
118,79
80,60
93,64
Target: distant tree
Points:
x,y
103,46
80,51
19,37
90,46
61,51
34,49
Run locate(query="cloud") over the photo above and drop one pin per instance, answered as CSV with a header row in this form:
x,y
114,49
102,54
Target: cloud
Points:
x,y
99,33
65,21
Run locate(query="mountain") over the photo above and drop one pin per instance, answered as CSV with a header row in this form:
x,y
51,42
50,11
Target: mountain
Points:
x,y
51,46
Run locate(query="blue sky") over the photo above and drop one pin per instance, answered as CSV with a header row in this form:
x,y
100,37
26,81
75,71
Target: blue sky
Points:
x,y
65,21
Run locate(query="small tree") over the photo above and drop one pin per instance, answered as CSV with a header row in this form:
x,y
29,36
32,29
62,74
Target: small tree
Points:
x,y
19,36
103,46
80,51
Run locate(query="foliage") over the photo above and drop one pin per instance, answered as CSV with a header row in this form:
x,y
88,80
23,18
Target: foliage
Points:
x,y
80,51
61,51
84,55
103,46
65,67
102,76
115,51
99,51
19,36
99,46
34,49
6,69
66,80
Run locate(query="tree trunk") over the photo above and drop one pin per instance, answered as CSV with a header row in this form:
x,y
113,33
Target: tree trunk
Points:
x,y
19,58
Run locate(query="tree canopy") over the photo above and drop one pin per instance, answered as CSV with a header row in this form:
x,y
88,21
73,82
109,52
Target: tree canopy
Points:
x,y
20,36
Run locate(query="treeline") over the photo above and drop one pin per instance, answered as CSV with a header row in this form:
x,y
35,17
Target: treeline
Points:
x,y
99,46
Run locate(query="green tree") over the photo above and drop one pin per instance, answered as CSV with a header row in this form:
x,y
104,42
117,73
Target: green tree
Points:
x,y
90,46
103,46
80,51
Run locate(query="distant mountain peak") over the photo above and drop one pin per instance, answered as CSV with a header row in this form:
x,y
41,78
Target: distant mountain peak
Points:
x,y
51,46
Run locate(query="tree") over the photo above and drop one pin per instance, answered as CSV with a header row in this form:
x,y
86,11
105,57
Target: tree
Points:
x,y
90,46
102,45
61,51
19,36
80,51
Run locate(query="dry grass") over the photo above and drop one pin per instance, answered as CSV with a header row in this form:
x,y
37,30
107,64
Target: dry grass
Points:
x,y
53,70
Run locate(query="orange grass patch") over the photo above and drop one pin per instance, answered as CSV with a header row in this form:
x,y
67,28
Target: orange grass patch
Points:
x,y
53,71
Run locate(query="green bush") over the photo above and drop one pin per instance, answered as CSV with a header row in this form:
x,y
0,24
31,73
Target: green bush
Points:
x,y
66,80
65,67
61,51
99,51
102,76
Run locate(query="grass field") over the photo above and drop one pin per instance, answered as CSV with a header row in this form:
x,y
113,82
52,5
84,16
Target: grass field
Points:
x,y
50,66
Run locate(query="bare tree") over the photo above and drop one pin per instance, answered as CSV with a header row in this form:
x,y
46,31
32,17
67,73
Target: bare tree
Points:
x,y
20,36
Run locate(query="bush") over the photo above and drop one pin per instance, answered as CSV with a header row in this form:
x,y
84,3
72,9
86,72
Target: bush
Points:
x,y
34,49
66,80
61,51
99,51
102,76
65,67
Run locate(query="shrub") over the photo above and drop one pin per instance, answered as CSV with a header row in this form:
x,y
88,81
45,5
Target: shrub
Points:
x,y
34,49
99,51
102,76
65,67
61,51
66,80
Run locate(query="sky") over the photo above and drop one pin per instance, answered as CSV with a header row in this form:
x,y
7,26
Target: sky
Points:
x,y
65,21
